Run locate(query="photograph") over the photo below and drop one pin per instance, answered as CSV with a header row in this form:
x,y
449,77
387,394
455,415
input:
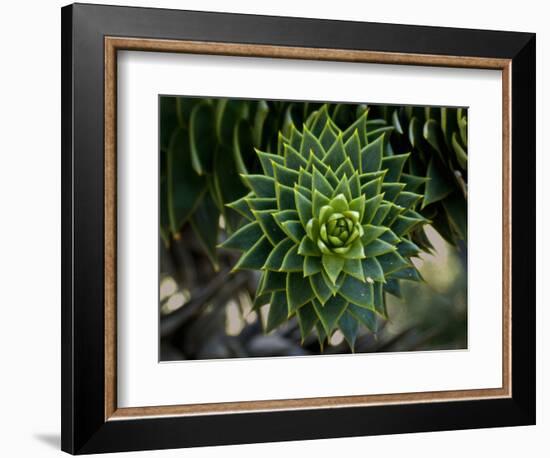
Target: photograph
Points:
x,y
296,228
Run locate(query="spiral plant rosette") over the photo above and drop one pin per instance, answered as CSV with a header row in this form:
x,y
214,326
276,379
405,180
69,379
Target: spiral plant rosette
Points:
x,y
328,225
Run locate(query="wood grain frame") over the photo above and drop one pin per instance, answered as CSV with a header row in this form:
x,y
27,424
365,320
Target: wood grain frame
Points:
x,y
91,36
114,44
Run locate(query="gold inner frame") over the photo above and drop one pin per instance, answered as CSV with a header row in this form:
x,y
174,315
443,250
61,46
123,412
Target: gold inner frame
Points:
x,y
114,44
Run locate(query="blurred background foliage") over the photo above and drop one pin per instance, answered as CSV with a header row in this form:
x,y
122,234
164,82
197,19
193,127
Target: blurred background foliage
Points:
x,y
206,311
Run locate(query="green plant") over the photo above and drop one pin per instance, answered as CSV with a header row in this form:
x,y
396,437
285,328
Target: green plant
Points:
x,y
438,140
205,144
328,223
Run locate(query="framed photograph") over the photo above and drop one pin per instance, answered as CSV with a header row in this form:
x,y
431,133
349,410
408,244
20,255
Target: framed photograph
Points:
x,y
281,228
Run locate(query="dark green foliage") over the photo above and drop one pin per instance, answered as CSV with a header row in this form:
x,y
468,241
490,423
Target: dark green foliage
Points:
x,y
438,141
327,201
205,144
333,216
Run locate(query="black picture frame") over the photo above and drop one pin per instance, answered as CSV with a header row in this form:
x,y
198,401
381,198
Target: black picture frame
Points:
x,y
84,426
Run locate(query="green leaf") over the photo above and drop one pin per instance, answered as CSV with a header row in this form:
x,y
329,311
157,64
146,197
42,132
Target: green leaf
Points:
x,y
312,265
392,262
378,247
308,247
278,311
349,326
379,300
319,201
228,185
304,191
407,249
184,187
354,268
371,155
262,112
390,237
462,122
432,134
392,190
439,186
380,132
415,132
269,225
255,257
345,169
294,230
263,186
357,292
321,335
343,189
365,316
332,178
360,127
333,265
355,185
408,199
334,287
328,137
228,113
311,143
330,313
304,207
372,269
315,163
358,205
457,212
320,288
292,262
381,214
339,203
371,233
396,122
285,197
260,300
285,176
372,187
356,251
353,150
413,183
261,203
460,152
202,142
403,224
307,318
285,215
295,138
306,179
244,238
243,146
273,281
275,259
267,159
409,273
241,207
394,165
336,154
293,159
205,224
298,291
393,287
372,207
393,212
321,184
320,119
